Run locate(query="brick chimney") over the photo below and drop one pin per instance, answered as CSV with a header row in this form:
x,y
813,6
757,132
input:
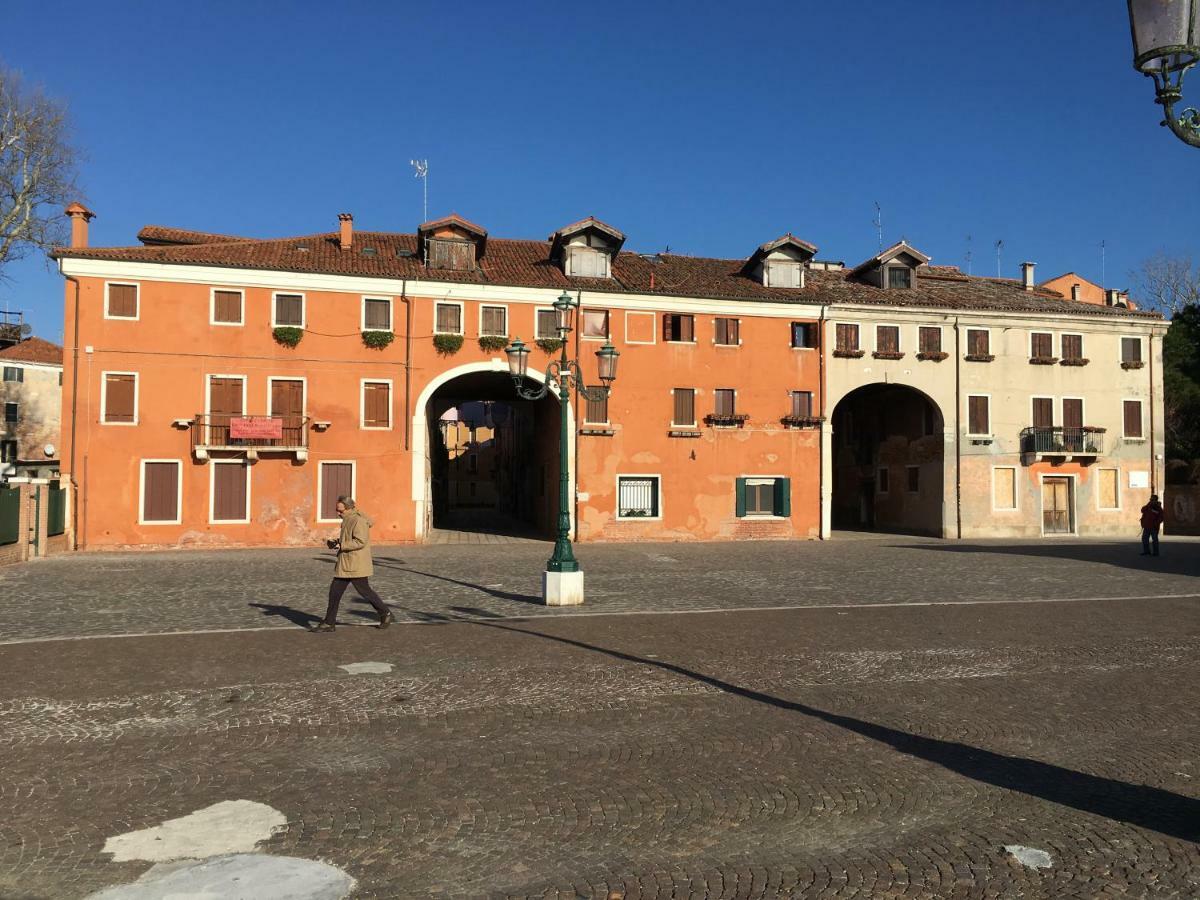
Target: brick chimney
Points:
x,y
80,215
1027,275
1111,296
1075,289
346,224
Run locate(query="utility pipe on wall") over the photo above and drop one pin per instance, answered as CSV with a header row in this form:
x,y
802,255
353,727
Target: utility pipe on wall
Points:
x,y
958,433
74,409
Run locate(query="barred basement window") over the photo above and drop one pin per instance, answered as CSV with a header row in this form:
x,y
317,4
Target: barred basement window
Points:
x,y
637,496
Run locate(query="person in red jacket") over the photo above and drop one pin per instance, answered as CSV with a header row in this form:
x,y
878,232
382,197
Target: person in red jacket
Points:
x,y
1152,519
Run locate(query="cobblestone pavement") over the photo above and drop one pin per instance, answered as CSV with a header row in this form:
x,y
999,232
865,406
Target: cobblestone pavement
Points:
x,y
839,750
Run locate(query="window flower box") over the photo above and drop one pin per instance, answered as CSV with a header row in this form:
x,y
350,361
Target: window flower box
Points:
x,y
932,355
727,420
1132,364
1074,361
1043,360
888,354
802,421
979,357
849,354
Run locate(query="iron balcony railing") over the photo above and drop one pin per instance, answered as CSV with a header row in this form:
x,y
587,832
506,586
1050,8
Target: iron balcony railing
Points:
x,y
285,432
1052,440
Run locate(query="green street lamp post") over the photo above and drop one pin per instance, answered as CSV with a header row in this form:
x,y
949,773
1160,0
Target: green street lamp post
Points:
x,y
1166,43
562,582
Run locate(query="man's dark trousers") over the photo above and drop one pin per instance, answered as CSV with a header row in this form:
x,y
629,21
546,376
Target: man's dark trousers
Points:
x,y
338,586
1148,535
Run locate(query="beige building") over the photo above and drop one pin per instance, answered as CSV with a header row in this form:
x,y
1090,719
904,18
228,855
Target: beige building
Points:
x,y
31,396
1023,417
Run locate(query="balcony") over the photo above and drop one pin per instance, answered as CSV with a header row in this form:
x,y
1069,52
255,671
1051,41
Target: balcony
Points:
x,y
1057,443
249,435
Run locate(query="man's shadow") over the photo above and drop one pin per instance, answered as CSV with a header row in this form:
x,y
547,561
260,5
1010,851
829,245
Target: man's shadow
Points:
x,y
295,616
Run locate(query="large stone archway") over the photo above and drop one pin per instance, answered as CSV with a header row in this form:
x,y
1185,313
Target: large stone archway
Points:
x,y
470,381
886,462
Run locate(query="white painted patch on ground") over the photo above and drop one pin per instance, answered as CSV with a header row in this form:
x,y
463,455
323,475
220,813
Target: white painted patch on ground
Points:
x,y
240,877
232,826
1029,856
367,668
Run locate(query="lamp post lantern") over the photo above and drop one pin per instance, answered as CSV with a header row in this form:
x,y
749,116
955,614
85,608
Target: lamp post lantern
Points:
x,y
1166,43
562,582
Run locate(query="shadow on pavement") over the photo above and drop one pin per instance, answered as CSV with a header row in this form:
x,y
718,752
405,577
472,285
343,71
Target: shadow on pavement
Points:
x,y
1146,807
295,616
1176,559
493,592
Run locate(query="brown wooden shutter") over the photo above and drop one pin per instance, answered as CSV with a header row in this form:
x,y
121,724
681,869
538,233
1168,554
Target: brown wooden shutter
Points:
x,y
1043,412
801,403
977,415
379,314
724,400
1072,346
119,397
493,320
377,404
123,300
224,402
847,337
1133,418
289,310
1043,345
931,340
978,342
287,402
451,254
227,306
597,411
229,492
449,319
887,338
1131,349
668,327
1072,413
685,406
337,480
545,324
160,492
687,328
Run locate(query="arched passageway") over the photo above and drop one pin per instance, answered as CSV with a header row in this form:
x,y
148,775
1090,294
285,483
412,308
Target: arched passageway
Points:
x,y
492,458
888,465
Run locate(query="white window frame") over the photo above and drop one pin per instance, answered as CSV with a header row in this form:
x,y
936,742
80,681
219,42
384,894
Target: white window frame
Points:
x,y
321,483
544,337
212,491
137,286
137,404
757,480
1136,337
653,327
607,323
583,419
885,281
941,329
877,325
815,326
271,379
303,308
880,492
1074,532
362,404
462,316
1142,406
793,267
141,513
967,339
208,390
695,396
391,329
617,496
1055,409
503,306
1016,493
1032,332
907,489
20,370
1120,492
714,390
1082,343
574,250
212,307
737,319
967,416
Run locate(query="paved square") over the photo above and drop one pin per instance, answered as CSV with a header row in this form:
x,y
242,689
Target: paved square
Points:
x,y
870,718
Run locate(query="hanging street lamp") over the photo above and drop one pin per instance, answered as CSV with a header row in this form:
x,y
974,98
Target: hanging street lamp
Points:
x,y
562,582
1166,43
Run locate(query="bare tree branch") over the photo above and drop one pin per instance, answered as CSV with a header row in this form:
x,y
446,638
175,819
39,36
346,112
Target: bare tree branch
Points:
x,y
1168,283
37,170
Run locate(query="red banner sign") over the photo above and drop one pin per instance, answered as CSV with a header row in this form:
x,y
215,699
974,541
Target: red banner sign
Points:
x,y
256,428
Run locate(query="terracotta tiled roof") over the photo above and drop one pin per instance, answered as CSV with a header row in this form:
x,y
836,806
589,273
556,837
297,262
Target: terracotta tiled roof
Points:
x,y
523,263
34,350
158,234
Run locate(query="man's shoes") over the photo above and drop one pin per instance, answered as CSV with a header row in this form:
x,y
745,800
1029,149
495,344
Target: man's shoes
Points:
x,y
386,619
322,628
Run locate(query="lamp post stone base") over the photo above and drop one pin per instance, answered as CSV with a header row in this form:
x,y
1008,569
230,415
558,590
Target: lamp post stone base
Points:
x,y
562,588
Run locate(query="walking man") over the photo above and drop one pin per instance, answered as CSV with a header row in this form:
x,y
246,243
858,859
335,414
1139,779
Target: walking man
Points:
x,y
1152,519
353,566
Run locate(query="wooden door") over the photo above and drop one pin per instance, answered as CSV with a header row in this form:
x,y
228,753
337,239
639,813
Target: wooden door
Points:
x,y
224,402
1057,511
287,402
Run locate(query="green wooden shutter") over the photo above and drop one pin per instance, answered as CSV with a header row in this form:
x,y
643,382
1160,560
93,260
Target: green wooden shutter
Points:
x,y
741,497
783,497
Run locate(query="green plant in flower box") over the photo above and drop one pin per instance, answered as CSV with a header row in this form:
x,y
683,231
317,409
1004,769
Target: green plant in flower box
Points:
x,y
489,343
447,344
377,340
288,335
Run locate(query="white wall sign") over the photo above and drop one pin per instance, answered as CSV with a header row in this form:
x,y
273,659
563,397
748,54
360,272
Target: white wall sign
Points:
x,y
1139,479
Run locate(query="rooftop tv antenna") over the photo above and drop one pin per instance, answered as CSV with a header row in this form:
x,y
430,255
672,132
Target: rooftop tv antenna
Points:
x,y
999,247
1103,283
878,222
421,170
968,254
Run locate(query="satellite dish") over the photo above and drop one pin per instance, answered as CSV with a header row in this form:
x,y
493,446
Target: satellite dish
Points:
x,y
26,329
48,450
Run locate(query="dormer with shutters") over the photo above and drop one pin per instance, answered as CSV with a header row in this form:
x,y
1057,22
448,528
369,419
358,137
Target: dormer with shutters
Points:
x,y
451,243
780,263
586,249
893,269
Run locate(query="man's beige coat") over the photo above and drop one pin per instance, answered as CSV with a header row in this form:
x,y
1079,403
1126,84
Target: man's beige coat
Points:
x,y
354,556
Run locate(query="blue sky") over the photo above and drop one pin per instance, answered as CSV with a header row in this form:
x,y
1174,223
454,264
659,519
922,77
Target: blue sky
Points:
x,y
706,127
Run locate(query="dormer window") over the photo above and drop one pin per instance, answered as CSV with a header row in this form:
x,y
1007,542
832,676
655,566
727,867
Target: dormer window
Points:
x,y
780,263
586,249
892,269
899,277
451,243
447,253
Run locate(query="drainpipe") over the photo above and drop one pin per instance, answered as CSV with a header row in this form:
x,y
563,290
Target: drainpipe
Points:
x,y
74,408
825,423
575,480
407,362
957,432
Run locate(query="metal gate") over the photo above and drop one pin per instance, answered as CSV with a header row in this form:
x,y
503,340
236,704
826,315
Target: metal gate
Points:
x,y
10,515
56,510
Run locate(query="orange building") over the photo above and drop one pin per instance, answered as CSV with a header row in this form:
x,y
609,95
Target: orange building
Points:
x,y
223,391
